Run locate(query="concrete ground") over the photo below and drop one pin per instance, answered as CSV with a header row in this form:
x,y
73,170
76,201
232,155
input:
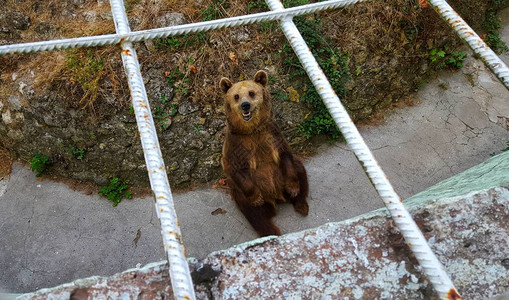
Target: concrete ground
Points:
x,y
51,234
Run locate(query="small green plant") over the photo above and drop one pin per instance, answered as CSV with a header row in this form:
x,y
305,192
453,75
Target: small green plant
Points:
x,y
358,70
435,55
180,42
173,43
129,4
292,3
215,10
163,112
159,113
267,26
420,83
409,29
492,25
257,4
455,60
116,190
441,58
174,76
179,82
76,152
493,40
40,164
174,109
280,95
333,64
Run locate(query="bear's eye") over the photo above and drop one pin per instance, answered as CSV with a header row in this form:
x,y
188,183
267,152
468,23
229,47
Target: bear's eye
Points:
x,y
251,94
236,97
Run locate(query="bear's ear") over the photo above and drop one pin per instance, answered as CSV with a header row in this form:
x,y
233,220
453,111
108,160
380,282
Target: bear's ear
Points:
x,y
261,77
225,84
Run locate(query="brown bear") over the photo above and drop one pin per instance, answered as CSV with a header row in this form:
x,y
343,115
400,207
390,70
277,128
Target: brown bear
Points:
x,y
260,167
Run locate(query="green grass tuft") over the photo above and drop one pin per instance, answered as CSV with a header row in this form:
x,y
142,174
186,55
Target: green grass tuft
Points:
x,y
116,190
442,58
76,152
40,164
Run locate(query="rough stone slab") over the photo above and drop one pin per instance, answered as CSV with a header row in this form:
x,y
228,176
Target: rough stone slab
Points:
x,y
492,173
149,282
362,258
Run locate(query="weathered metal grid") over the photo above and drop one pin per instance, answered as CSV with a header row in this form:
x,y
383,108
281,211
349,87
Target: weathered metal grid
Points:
x,y
170,230
179,272
137,36
443,9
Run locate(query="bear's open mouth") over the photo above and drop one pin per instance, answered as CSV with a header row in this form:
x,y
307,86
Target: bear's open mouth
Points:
x,y
247,116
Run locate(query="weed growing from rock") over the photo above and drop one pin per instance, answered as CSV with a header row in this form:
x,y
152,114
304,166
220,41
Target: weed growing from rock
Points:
x,y
441,58
257,4
332,63
180,42
179,81
40,164
76,152
129,4
116,190
215,10
163,113
492,25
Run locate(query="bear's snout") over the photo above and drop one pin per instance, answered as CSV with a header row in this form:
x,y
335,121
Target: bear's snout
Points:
x,y
246,106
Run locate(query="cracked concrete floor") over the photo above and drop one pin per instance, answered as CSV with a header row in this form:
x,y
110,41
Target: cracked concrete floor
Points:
x,y
51,235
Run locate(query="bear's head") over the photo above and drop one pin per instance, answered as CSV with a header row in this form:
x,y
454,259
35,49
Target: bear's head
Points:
x,y
247,103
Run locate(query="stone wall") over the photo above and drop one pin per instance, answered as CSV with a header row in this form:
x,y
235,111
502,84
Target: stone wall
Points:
x,y
42,95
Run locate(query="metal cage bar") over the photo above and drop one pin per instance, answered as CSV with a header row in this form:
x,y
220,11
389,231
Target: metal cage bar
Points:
x,y
179,269
413,236
466,33
136,36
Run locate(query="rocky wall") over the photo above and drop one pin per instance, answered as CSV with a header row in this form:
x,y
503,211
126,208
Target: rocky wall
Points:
x,y
46,102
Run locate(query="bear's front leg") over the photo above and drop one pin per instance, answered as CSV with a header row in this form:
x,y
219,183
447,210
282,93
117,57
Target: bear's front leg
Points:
x,y
296,183
260,217
243,180
291,183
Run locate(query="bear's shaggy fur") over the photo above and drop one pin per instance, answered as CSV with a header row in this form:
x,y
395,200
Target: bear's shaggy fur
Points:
x,y
260,167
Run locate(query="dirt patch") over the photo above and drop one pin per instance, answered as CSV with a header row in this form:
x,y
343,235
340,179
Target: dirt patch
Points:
x,y
90,188
5,163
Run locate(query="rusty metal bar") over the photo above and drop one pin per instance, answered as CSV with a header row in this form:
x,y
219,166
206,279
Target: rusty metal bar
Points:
x,y
466,33
136,36
413,236
173,244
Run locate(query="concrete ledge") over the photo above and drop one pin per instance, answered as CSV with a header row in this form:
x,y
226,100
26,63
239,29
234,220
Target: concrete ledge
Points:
x,y
361,258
